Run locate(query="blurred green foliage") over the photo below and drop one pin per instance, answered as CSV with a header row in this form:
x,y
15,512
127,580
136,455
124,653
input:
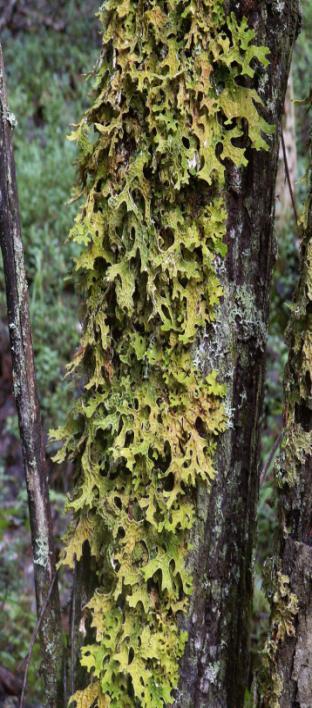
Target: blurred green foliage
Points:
x,y
17,610
47,94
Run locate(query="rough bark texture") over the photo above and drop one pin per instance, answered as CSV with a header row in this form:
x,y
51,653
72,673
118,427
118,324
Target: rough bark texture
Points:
x,y
293,660
216,664
295,654
28,407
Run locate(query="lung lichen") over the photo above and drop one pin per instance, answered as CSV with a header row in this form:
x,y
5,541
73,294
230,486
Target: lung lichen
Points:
x,y
167,115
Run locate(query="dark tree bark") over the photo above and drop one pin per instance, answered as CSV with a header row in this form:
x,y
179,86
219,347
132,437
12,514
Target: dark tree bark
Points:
x,y
28,409
291,645
215,669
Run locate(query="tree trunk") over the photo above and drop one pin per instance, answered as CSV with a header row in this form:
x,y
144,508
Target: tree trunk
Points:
x,y
174,106
284,205
215,669
290,648
28,411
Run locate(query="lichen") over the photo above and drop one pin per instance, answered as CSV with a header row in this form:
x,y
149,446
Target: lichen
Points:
x,y
42,552
296,449
168,114
246,315
297,441
284,611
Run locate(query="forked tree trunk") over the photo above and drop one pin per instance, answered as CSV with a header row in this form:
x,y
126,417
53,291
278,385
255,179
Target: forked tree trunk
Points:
x,y
215,669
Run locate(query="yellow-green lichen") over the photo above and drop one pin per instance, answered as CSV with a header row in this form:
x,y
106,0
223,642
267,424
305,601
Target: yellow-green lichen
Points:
x,y
168,113
284,611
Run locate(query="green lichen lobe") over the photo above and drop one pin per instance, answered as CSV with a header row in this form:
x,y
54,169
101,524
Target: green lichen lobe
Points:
x,y
167,115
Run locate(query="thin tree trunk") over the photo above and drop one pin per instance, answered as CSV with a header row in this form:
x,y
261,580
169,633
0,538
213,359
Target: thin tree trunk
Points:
x,y
28,409
283,196
290,646
215,669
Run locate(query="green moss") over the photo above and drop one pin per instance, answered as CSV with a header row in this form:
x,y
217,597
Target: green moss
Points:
x,y
167,114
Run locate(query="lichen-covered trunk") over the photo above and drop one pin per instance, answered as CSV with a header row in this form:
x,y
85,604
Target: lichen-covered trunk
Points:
x,y
177,169
215,669
289,650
